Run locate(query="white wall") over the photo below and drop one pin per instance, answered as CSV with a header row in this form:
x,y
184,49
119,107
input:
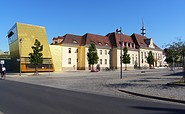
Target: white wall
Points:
x,y
102,56
66,55
133,59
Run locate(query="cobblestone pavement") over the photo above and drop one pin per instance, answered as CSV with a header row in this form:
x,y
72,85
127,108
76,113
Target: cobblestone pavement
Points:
x,y
152,82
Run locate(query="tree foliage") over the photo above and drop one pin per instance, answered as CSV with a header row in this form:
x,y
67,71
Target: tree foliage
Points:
x,y
150,59
92,55
125,57
176,50
36,58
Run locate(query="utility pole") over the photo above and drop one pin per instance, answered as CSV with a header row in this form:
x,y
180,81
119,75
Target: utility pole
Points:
x,y
20,52
121,45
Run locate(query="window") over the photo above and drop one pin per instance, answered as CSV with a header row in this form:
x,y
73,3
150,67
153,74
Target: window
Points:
x,y
100,52
128,44
100,43
132,60
105,61
125,44
69,50
133,45
101,61
105,52
74,42
142,57
69,60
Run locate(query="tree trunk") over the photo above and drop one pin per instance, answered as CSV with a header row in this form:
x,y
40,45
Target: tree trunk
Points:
x,y
36,69
92,68
125,66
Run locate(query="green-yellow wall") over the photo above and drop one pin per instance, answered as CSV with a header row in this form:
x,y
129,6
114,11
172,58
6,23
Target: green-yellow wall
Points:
x,y
28,34
56,52
114,58
81,58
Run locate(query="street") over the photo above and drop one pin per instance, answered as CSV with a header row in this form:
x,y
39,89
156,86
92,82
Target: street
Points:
x,y
22,98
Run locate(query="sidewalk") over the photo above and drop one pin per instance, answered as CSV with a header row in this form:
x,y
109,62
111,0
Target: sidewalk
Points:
x,y
151,85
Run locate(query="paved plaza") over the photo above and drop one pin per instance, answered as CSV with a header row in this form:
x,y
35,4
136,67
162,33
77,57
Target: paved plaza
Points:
x,y
152,82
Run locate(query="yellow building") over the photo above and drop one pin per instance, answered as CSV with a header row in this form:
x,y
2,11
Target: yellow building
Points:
x,y
21,38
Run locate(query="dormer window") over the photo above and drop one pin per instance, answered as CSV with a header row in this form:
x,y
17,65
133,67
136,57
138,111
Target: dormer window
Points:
x,y
74,42
100,43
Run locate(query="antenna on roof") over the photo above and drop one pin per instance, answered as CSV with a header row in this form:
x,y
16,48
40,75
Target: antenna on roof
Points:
x,y
143,28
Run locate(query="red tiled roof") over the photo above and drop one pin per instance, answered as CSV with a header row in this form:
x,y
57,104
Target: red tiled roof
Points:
x,y
115,39
143,40
110,40
72,39
97,39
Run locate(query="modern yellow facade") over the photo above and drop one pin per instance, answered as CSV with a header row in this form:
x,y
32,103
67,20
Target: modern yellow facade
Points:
x,y
21,38
56,52
81,55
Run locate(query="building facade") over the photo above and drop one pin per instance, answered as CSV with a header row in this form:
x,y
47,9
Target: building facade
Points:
x,y
21,38
69,52
75,48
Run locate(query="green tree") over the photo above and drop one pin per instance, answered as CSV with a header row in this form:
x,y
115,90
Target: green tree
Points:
x,y
36,58
150,59
92,55
171,56
178,50
126,57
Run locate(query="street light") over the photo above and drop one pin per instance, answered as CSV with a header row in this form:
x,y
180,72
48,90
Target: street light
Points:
x,y
173,58
20,54
184,65
121,43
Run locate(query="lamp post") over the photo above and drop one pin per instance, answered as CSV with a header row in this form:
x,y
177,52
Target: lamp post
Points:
x,y
121,43
173,58
184,65
20,41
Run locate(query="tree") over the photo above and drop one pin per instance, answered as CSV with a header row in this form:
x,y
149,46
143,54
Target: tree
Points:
x,y
179,49
171,56
36,58
150,59
126,57
92,55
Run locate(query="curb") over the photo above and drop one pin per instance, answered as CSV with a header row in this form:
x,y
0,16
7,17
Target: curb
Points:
x,y
152,97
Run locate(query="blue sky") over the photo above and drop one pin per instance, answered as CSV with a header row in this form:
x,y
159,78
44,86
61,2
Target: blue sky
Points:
x,y
164,19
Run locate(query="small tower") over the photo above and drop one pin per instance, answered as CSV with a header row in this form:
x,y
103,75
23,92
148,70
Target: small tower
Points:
x,y
143,28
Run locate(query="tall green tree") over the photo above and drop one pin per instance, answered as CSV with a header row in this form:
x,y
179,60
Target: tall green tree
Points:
x,y
171,56
36,58
150,59
178,49
92,55
125,57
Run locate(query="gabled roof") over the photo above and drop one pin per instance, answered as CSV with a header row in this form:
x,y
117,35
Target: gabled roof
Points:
x,y
72,39
98,40
142,41
115,39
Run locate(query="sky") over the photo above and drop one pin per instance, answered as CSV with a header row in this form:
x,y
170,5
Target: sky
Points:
x,y
164,19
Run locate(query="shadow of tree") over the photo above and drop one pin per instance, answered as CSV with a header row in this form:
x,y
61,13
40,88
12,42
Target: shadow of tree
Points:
x,y
161,110
175,74
122,85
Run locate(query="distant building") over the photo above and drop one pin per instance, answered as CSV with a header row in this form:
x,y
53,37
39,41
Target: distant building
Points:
x,y
21,38
75,48
69,52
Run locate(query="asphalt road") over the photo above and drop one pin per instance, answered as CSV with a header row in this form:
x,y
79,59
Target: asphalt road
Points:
x,y
22,98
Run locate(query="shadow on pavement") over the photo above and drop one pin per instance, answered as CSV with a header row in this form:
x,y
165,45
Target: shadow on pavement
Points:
x,y
164,110
175,74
